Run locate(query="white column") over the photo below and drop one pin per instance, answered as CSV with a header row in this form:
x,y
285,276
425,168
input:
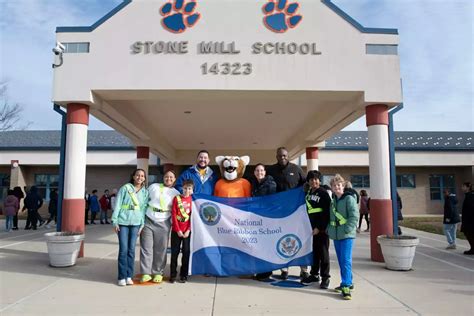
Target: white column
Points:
x,y
379,167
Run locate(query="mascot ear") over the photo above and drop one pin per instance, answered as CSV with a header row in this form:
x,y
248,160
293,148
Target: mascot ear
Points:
x,y
219,160
245,159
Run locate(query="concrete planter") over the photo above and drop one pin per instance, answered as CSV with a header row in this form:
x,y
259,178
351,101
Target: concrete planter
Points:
x,y
398,251
63,248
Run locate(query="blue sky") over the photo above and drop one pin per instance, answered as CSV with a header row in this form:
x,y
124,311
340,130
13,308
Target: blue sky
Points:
x,y
436,56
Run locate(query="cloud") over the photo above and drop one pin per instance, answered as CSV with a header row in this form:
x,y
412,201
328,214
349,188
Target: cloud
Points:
x,y
436,55
436,59
27,37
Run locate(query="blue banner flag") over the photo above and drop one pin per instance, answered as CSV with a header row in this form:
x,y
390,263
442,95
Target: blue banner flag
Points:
x,y
242,236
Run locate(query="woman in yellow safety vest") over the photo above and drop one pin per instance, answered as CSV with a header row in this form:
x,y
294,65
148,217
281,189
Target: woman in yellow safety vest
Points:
x,y
156,232
128,220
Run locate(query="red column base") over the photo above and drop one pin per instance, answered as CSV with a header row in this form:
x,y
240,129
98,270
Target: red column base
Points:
x,y
73,218
381,223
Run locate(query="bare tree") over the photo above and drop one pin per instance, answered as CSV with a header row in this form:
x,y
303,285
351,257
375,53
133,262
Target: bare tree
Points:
x,y
10,114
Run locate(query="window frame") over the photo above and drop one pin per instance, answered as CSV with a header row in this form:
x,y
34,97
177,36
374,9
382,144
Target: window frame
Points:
x,y
442,185
401,186
365,181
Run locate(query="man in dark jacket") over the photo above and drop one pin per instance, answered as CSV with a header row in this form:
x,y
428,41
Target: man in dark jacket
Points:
x,y
317,205
287,176
33,202
451,218
467,223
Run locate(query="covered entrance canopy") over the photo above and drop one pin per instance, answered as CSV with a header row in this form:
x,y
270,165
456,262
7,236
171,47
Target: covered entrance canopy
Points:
x,y
233,77
250,86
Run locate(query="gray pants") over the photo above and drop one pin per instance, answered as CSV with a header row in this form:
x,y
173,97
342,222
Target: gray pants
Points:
x,y
153,246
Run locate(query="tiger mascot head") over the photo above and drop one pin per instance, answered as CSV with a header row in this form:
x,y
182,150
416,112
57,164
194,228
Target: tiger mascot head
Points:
x,y
232,167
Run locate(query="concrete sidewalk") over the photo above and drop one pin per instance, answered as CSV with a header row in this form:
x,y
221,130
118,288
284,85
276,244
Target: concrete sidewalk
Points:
x,y
441,283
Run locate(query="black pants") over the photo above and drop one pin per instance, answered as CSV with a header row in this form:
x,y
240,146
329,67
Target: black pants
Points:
x,y
86,218
366,219
52,216
15,220
176,242
32,219
321,255
470,239
93,215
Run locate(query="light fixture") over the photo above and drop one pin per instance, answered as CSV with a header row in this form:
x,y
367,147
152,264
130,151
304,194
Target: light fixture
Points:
x,y
58,51
187,112
268,112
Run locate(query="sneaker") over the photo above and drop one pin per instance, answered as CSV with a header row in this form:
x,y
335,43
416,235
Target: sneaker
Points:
x,y
310,279
107,222
339,289
358,230
284,275
15,228
469,252
41,223
304,275
93,223
324,284
172,280
346,293
122,282
367,230
145,278
452,246
157,278
129,281
102,222
183,279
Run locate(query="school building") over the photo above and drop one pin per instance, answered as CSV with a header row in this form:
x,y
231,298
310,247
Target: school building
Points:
x,y
427,163
235,77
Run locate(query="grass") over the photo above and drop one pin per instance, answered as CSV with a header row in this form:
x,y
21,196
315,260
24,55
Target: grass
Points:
x,y
430,224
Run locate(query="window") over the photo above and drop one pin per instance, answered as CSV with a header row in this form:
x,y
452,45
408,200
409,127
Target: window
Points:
x,y
45,183
152,178
327,179
406,181
440,182
360,181
381,49
4,185
76,47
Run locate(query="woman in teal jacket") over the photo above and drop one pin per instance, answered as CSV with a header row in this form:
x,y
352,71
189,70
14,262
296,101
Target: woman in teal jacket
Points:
x,y
343,219
128,220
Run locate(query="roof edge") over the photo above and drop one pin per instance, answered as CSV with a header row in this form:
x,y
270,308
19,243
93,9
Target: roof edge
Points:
x,y
85,29
356,24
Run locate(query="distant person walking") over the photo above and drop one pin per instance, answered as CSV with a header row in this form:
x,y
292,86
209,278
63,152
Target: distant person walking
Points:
x,y
52,207
104,207
450,218
33,202
399,212
364,210
94,205
18,192
10,209
467,222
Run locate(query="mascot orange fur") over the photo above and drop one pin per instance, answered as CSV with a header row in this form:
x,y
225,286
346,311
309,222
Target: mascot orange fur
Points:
x,y
232,184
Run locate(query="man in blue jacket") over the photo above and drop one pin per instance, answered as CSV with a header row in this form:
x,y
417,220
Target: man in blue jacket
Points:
x,y
202,175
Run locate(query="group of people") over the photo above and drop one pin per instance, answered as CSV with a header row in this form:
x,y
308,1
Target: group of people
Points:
x,y
32,203
451,217
100,206
163,208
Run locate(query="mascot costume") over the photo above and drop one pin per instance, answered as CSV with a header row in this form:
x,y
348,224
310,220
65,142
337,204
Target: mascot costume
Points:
x,y
232,170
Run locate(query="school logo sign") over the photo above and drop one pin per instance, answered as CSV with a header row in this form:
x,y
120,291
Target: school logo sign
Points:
x,y
210,213
179,15
288,246
280,15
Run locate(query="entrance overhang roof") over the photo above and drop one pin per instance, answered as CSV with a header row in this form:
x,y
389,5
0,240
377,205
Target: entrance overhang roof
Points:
x,y
308,83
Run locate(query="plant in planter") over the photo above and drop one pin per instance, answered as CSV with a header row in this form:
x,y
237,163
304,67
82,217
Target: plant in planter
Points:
x,y
398,251
63,248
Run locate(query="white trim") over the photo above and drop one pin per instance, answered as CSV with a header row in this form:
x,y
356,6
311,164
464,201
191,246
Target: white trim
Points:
x,y
379,167
75,168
